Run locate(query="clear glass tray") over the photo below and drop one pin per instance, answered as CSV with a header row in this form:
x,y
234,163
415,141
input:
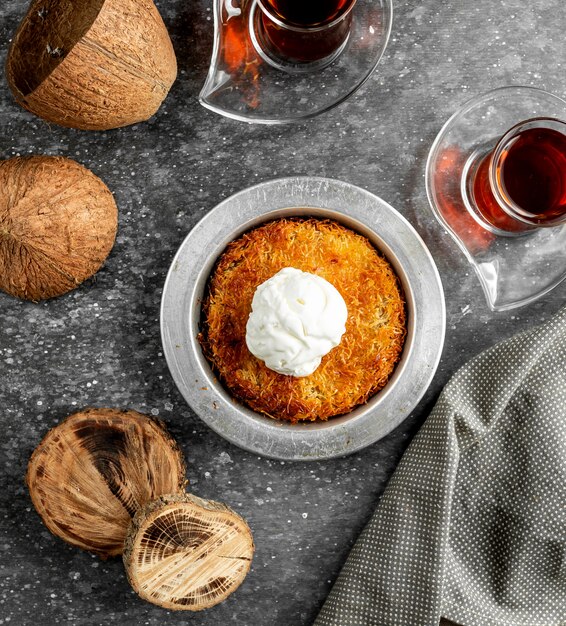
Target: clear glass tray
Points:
x,y
513,270
243,86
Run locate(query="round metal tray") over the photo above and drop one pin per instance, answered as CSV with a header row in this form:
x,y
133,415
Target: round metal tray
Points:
x,y
354,208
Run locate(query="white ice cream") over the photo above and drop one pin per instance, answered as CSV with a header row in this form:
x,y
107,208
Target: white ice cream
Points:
x,y
296,319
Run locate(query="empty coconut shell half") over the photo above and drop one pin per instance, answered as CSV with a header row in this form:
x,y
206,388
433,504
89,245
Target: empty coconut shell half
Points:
x,y
186,553
91,473
58,224
91,64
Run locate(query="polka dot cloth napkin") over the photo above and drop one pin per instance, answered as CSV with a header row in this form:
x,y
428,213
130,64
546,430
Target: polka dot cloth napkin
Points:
x,y
472,526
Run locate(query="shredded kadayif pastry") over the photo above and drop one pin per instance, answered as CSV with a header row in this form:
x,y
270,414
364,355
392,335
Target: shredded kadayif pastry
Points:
x,y
349,374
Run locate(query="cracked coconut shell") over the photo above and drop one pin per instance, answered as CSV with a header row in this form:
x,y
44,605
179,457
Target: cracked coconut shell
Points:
x,y
90,475
58,223
186,553
91,64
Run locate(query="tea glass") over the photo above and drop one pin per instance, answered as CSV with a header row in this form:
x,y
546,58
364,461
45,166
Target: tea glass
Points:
x,y
251,79
485,192
518,257
290,43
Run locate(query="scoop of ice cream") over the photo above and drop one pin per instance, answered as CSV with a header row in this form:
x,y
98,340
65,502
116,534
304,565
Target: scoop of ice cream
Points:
x,y
296,319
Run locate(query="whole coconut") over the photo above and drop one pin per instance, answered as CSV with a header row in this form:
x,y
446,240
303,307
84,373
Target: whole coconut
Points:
x,y
58,223
91,64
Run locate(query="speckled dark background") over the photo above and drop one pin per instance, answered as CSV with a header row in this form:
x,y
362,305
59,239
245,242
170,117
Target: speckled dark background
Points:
x,y
100,345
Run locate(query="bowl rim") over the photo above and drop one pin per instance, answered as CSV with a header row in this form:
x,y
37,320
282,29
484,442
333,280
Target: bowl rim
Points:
x,y
302,197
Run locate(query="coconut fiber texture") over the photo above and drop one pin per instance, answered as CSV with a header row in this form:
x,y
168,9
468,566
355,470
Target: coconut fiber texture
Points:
x,y
472,526
91,64
58,224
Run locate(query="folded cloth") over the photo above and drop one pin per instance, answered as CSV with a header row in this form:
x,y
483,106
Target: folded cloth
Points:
x,y
472,526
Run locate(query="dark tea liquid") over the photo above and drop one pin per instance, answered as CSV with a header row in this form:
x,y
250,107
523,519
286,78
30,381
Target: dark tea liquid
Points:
x,y
531,174
303,32
307,13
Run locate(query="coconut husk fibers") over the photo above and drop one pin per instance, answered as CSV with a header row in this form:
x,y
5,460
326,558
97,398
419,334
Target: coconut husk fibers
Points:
x,y
91,64
90,474
186,553
58,223
350,373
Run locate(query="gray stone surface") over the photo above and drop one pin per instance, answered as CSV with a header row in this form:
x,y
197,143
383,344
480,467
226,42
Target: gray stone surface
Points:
x,y
100,345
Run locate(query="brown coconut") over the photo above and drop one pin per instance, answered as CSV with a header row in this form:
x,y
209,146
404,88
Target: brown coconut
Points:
x,y
186,553
91,64
90,475
57,225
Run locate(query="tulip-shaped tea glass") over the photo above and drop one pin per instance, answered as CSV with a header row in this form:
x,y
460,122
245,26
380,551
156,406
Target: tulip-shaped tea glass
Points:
x,y
278,61
496,179
299,36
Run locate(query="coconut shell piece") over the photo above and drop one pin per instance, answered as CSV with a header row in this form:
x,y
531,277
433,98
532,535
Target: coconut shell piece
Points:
x,y
91,64
185,553
91,473
58,224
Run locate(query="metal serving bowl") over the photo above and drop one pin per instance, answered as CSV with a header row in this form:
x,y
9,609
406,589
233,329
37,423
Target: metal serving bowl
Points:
x,y
357,209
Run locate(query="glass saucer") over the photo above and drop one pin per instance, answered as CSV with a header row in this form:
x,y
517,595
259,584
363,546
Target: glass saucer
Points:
x,y
243,86
513,270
